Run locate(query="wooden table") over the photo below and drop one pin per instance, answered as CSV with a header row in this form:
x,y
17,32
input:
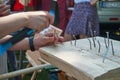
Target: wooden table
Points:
x,y
35,59
84,63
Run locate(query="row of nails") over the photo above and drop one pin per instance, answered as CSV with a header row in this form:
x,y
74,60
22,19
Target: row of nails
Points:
x,y
107,44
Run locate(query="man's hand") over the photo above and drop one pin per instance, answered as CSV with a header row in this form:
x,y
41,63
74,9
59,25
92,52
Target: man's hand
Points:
x,y
39,20
47,39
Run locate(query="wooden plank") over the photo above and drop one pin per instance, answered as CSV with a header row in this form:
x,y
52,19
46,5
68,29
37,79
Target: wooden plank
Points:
x,y
83,63
94,50
33,57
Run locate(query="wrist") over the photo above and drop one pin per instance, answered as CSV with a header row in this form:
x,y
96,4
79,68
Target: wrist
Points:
x,y
31,44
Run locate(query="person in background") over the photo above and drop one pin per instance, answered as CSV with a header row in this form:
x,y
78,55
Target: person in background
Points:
x,y
84,20
62,6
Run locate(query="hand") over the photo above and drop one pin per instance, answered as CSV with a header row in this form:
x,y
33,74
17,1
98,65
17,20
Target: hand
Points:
x,y
4,10
45,40
38,20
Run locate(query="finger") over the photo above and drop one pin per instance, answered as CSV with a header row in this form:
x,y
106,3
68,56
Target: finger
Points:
x,y
49,40
61,39
49,34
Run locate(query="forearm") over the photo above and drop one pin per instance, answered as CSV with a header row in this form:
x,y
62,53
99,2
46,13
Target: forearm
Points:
x,y
12,23
22,45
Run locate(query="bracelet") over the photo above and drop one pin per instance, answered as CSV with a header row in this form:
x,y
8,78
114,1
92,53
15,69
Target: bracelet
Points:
x,y
32,48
